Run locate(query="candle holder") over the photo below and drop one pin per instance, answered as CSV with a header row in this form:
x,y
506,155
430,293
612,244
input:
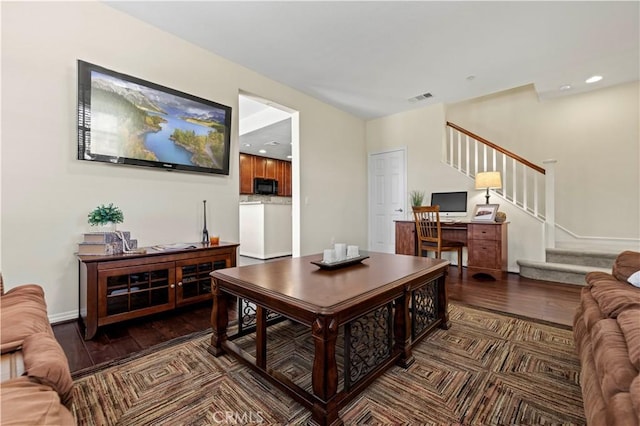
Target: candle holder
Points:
x,y
205,233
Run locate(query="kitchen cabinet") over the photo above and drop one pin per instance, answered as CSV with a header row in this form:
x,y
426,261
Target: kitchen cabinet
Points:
x,y
265,230
283,175
259,166
246,174
253,166
287,179
270,168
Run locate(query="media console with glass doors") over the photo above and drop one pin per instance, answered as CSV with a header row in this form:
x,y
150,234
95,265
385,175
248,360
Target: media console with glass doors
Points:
x,y
486,243
120,287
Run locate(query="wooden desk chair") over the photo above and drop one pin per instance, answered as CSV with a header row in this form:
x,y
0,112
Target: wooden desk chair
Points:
x,y
430,234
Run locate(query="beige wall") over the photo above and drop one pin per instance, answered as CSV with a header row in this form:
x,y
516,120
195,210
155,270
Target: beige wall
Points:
x,y
594,137
421,131
46,193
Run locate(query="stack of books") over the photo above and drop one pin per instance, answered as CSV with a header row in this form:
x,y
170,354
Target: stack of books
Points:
x,y
105,243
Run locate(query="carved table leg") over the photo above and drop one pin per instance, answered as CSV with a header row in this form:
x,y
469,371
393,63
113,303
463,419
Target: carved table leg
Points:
x,y
443,307
219,319
325,370
261,337
402,330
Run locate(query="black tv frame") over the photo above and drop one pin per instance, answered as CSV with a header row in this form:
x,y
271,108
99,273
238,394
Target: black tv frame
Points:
x,y
149,104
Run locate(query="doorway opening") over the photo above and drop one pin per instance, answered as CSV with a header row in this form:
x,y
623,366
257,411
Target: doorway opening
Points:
x,y
269,178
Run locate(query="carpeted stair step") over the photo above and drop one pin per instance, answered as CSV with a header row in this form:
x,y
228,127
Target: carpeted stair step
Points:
x,y
600,259
558,272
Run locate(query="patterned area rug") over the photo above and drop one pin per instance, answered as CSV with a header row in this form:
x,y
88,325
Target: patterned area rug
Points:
x,y
487,369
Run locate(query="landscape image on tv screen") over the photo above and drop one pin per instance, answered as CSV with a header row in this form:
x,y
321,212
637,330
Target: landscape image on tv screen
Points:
x,y
127,120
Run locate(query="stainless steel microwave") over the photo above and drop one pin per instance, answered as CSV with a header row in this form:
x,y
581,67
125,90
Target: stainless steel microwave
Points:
x,y
265,186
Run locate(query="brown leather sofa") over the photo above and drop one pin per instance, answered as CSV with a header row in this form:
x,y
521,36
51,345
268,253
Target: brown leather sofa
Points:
x,y
606,329
36,385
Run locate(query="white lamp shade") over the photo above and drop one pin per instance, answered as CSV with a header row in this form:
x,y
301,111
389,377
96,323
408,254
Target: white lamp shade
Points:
x,y
488,180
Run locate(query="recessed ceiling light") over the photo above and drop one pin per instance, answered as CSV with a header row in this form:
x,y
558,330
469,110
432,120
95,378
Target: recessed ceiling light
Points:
x,y
247,144
289,156
262,151
565,87
593,79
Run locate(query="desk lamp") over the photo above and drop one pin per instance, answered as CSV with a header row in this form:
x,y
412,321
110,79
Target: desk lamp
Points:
x,y
488,180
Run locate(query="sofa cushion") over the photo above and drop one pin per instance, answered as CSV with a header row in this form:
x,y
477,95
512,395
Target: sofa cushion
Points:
x,y
579,329
634,391
33,289
23,402
595,409
27,305
629,323
634,279
620,411
614,370
591,312
612,296
596,276
46,363
625,265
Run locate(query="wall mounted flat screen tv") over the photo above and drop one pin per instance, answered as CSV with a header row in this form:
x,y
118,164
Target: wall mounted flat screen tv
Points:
x,y
451,204
126,120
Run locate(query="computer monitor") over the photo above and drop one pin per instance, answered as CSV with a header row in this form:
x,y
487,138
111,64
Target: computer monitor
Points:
x,y
452,204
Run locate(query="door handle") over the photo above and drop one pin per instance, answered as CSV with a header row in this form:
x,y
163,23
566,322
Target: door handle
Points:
x,y
398,210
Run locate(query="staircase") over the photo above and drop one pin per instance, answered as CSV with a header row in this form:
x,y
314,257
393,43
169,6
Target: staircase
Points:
x,y
530,188
567,266
527,186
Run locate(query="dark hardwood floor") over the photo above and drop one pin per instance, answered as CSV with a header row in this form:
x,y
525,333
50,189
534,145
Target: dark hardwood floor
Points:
x,y
551,302
542,300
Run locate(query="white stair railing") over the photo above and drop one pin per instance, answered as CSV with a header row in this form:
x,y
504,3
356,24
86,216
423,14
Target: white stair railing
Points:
x,y
524,184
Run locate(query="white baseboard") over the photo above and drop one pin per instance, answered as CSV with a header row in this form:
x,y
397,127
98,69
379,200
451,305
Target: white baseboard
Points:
x,y
566,239
264,256
65,316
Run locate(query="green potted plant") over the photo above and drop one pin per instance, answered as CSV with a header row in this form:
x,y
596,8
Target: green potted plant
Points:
x,y
106,216
417,197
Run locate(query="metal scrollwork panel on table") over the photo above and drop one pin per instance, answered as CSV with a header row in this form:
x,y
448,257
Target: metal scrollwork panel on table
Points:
x,y
368,343
424,308
247,316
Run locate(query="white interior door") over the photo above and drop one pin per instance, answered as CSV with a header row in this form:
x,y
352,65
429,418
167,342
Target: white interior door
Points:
x,y
387,197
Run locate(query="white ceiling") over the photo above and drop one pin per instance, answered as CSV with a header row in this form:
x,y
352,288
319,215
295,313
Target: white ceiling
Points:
x,y
369,58
264,130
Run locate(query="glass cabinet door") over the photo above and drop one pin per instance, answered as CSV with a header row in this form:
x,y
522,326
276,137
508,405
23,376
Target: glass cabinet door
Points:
x,y
194,282
139,289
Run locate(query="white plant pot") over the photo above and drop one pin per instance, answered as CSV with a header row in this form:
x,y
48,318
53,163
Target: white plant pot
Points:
x,y
107,227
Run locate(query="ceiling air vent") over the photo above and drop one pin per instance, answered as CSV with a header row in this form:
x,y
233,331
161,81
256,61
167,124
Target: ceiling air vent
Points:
x,y
272,143
420,97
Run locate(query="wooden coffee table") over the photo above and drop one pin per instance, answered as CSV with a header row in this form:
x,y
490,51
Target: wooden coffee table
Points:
x,y
385,305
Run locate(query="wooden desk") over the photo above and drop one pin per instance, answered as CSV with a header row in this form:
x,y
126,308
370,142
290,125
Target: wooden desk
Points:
x,y
371,301
486,243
